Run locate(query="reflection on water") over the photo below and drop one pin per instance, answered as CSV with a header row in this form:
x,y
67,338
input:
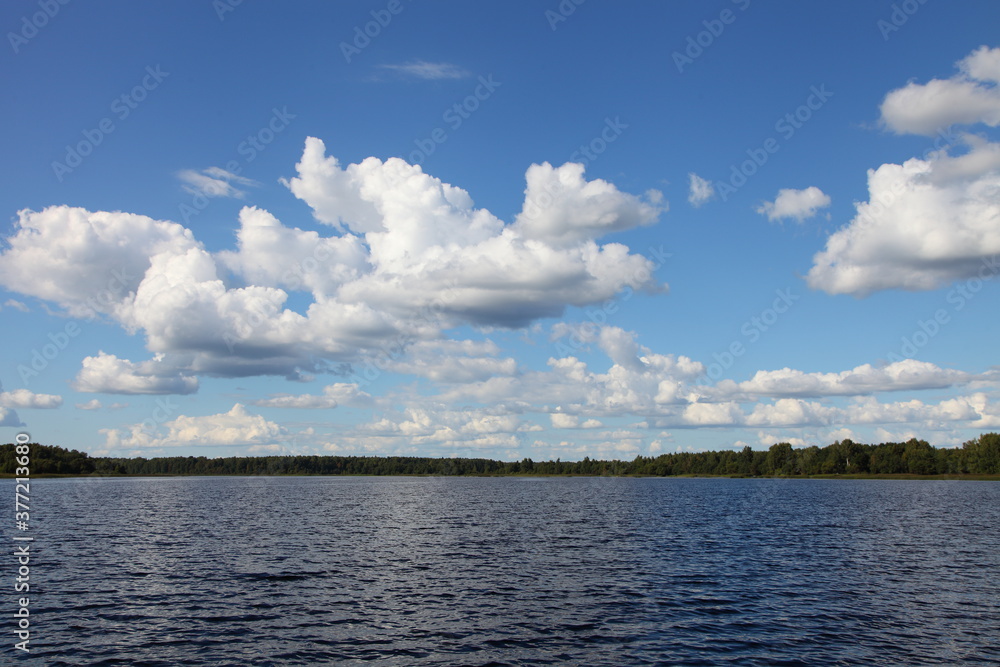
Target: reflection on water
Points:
x,y
310,570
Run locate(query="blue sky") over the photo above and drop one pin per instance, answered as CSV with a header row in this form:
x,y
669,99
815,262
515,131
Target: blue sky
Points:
x,y
509,229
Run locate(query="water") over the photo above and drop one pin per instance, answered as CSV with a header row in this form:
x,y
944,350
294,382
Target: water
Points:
x,y
509,571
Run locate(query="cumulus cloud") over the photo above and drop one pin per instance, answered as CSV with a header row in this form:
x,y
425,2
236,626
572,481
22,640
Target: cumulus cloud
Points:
x,y
92,404
446,430
411,257
236,427
307,261
700,190
86,262
560,420
969,97
22,398
422,69
214,182
562,208
108,374
926,223
796,204
667,392
432,251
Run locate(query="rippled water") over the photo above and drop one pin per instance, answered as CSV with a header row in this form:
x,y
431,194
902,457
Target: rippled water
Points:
x,y
508,571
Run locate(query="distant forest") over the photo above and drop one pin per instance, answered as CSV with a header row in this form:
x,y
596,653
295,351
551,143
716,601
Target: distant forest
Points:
x,y
915,457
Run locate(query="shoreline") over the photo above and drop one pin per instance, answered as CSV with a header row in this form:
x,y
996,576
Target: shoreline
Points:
x,y
887,476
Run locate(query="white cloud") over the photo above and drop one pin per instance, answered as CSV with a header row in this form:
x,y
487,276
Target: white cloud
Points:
x,y
454,361
108,374
768,439
561,208
970,97
214,182
22,398
16,305
436,428
92,404
333,396
422,69
926,224
560,420
86,262
305,260
792,412
236,427
420,259
797,204
701,190
905,375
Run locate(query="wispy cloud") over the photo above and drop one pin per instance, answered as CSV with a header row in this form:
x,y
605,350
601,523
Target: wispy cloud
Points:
x,y
422,69
16,305
214,182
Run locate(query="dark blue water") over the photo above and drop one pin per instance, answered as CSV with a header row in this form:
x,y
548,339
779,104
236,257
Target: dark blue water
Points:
x,y
508,571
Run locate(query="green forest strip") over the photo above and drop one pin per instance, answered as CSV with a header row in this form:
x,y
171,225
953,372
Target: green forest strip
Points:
x,y
976,459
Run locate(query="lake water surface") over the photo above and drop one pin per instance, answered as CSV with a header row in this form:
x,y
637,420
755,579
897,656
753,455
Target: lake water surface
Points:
x,y
511,571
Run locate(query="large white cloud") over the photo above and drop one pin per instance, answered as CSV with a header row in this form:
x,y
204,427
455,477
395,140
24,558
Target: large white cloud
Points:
x,y
87,262
412,258
926,223
970,97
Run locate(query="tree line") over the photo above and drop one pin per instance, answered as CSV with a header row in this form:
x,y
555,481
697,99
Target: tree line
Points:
x,y
980,456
